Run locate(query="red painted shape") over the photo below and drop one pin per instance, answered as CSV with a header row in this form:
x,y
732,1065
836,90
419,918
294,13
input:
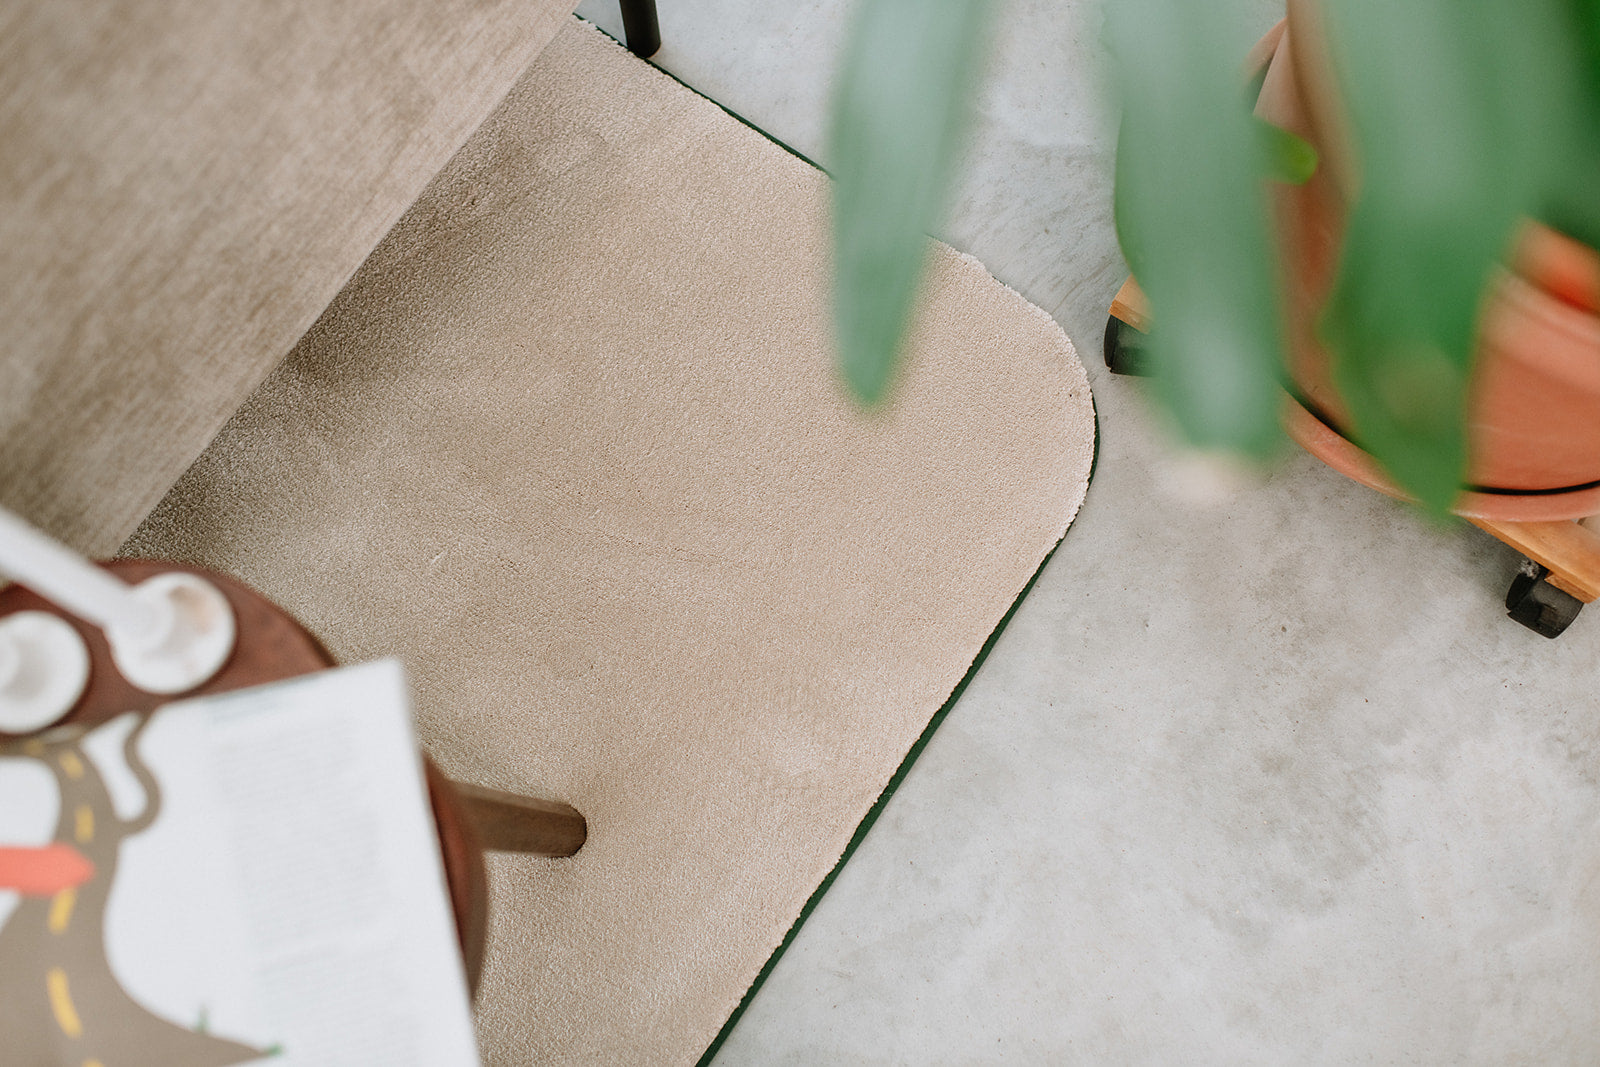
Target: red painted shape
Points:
x,y
43,872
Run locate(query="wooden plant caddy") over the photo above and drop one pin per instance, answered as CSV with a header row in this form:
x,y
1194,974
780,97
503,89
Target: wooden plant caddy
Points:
x,y
1563,569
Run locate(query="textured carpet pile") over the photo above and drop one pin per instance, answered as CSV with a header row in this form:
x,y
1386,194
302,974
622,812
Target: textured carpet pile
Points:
x,y
570,444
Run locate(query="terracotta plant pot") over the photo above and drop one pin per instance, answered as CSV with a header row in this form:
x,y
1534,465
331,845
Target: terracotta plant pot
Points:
x,y
1533,420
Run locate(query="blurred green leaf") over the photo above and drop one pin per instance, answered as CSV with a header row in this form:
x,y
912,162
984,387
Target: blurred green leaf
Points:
x,y
1126,214
900,110
1572,203
1283,156
1464,110
1193,221
1288,158
1586,17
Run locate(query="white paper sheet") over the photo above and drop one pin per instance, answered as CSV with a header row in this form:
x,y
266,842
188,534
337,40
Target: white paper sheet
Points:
x,y
288,897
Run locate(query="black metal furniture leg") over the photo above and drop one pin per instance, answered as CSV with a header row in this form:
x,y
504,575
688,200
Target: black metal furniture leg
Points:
x,y
640,27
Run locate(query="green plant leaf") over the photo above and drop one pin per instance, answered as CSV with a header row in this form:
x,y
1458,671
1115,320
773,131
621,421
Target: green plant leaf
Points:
x,y
1572,202
1464,111
899,114
1193,221
1284,158
1586,17
1288,158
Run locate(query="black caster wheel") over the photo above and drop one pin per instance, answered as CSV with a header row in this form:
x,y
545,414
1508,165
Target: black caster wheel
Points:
x,y
1125,349
1540,606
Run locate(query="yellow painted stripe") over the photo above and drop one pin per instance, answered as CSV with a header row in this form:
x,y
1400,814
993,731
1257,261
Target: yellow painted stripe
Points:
x,y
93,1063
61,1003
72,765
61,910
84,831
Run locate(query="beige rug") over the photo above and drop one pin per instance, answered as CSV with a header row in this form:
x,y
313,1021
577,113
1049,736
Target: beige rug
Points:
x,y
570,444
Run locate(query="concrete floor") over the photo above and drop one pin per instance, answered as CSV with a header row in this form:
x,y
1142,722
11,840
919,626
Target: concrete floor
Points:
x,y
1269,779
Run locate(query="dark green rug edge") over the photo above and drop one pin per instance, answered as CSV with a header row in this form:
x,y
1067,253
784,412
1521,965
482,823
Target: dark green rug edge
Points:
x,y
734,115
899,776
